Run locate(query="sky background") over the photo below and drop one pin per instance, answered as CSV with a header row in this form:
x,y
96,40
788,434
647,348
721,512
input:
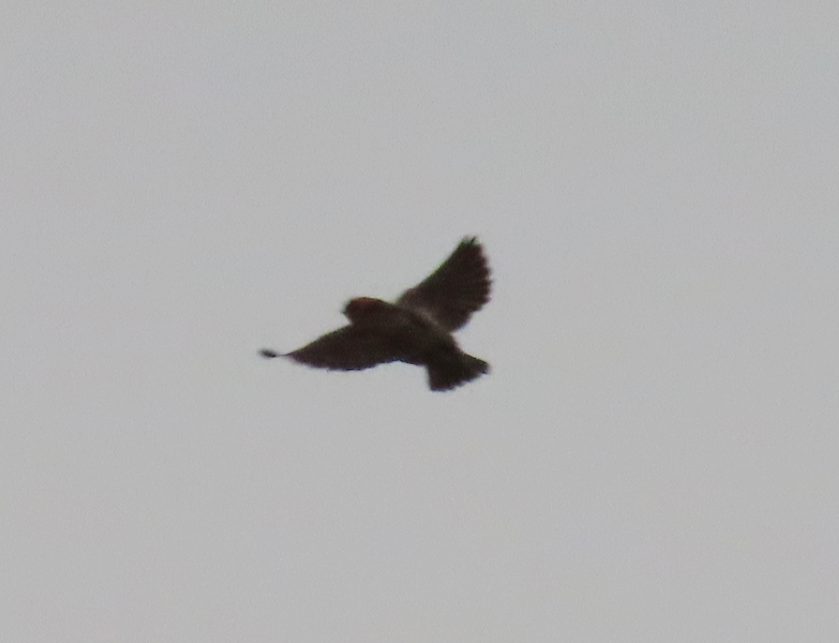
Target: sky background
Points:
x,y
654,456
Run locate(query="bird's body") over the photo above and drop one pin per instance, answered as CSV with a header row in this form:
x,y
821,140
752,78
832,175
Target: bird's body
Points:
x,y
416,329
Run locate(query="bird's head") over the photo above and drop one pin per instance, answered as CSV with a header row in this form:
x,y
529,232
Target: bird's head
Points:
x,y
361,308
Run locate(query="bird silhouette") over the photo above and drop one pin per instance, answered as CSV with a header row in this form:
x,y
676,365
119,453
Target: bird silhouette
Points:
x,y
416,329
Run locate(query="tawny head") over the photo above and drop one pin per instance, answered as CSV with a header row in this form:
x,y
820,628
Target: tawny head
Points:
x,y
361,307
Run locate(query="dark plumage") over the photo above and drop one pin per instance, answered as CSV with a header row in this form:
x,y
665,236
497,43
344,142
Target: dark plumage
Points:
x,y
416,329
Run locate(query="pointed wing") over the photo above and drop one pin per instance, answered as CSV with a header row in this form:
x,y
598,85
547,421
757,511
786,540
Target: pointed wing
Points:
x,y
458,288
347,349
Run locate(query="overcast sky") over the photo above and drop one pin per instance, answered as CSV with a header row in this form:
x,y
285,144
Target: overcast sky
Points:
x,y
654,455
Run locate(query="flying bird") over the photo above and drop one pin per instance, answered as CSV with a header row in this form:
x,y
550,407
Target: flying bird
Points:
x,y
416,329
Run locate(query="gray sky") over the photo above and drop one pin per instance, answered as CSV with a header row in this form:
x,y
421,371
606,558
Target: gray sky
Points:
x,y
654,456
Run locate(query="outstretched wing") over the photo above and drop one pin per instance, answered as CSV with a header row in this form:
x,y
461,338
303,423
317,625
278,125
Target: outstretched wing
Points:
x,y
458,288
347,349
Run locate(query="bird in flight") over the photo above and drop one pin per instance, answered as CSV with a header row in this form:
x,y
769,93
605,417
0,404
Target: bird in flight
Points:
x,y
416,329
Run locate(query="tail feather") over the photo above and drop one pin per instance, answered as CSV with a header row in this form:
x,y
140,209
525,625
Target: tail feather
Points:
x,y
453,369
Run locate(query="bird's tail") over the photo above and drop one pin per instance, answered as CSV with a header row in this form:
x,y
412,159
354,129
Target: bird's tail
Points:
x,y
452,369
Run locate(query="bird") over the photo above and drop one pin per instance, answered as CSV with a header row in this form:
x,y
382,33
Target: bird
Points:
x,y
416,328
